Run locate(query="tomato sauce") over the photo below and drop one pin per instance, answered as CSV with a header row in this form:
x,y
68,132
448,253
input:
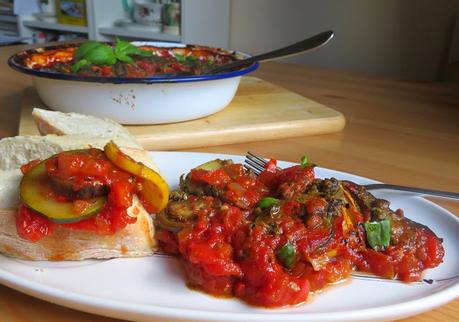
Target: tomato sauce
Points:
x,y
234,241
77,174
191,60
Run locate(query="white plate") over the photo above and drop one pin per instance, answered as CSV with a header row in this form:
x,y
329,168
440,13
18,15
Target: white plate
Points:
x,y
153,288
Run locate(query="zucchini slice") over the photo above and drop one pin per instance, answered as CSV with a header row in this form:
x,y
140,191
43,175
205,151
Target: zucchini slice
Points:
x,y
37,193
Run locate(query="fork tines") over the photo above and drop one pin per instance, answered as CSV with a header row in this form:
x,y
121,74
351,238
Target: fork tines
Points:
x,y
254,163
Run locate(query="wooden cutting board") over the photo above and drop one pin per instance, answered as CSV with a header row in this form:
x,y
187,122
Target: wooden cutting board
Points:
x,y
260,111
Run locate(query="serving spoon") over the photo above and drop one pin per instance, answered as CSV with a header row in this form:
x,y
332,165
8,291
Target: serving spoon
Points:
x,y
308,44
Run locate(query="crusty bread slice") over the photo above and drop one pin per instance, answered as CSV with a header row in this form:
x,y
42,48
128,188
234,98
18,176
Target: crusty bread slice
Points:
x,y
63,132
65,244
136,240
54,122
9,188
18,150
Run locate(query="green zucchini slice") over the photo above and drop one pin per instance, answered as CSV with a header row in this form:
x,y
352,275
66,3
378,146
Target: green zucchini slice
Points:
x,y
37,193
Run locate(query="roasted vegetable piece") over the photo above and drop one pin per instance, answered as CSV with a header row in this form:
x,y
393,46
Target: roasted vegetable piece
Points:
x,y
154,188
200,188
79,183
212,165
37,193
176,216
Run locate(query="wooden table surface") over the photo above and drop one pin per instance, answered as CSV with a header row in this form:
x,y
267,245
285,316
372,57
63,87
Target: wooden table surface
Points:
x,y
398,132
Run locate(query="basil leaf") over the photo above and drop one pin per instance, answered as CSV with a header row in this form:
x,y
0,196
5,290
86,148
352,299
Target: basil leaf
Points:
x,y
124,58
77,66
144,53
101,55
378,234
268,202
191,58
125,48
286,255
304,162
180,58
85,48
96,53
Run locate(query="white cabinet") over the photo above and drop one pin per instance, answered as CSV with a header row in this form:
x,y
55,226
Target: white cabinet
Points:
x,y
205,22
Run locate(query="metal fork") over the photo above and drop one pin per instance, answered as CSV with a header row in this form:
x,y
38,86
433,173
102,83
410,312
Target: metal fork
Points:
x,y
257,165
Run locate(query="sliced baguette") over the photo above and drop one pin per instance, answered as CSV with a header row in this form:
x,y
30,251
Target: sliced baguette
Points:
x,y
65,244
18,150
9,188
53,122
135,240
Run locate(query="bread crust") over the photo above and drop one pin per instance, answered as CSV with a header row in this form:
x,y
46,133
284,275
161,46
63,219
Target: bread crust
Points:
x,y
135,240
59,123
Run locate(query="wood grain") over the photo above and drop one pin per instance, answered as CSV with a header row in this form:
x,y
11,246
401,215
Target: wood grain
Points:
x,y
398,132
260,111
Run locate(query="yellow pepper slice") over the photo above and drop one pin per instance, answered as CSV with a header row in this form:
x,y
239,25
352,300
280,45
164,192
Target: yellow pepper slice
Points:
x,y
154,188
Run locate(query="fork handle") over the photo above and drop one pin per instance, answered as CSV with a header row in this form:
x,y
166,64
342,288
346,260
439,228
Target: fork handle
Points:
x,y
421,191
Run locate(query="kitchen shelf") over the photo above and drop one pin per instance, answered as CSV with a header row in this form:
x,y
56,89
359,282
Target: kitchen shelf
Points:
x,y
138,32
8,18
204,22
55,26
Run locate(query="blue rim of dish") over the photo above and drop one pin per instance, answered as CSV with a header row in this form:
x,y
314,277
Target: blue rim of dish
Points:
x,y
127,80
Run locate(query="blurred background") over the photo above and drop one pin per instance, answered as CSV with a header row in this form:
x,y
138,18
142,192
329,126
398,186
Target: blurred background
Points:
x,y
404,39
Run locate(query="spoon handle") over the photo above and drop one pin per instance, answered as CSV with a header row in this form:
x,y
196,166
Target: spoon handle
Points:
x,y
294,49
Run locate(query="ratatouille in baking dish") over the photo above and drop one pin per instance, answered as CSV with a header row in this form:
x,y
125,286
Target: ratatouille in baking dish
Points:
x,y
123,59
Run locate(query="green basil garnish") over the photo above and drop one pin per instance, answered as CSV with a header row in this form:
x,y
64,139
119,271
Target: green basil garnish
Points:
x,y
268,202
95,53
180,58
124,49
85,48
286,255
191,58
304,162
101,55
378,234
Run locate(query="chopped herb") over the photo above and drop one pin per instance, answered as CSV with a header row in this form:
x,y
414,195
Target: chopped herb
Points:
x,y
191,58
268,202
180,58
378,234
286,255
304,162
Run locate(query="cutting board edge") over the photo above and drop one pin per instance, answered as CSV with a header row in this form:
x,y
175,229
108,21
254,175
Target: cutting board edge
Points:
x,y
330,121
334,125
